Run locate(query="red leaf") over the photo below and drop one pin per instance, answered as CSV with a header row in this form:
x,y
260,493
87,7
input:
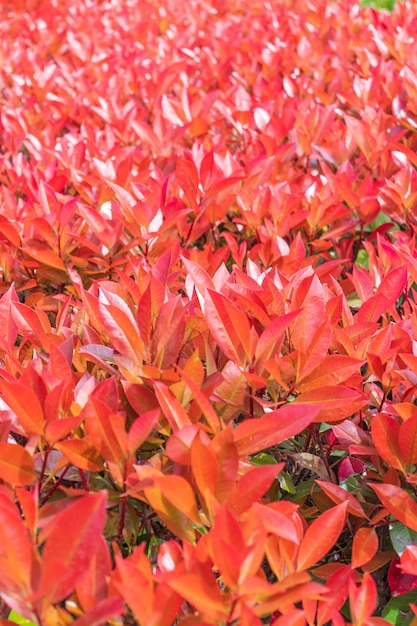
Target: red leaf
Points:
x,y
310,299
254,435
179,445
8,326
119,323
393,284
169,333
335,403
29,321
142,428
198,274
349,467
65,562
93,586
102,613
399,582
187,177
229,327
171,406
316,351
362,283
372,309
223,184
15,551
270,339
332,370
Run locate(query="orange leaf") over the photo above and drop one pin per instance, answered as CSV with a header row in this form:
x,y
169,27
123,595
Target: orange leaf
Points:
x,y
178,491
203,402
362,600
25,405
205,466
339,495
399,503
131,574
365,546
277,519
321,536
16,465
171,406
59,428
407,441
227,547
252,486
43,254
172,497
106,431
385,432
203,594
81,453
333,370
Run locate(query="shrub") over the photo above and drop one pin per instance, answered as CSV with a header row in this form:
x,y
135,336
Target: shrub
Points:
x,y
208,313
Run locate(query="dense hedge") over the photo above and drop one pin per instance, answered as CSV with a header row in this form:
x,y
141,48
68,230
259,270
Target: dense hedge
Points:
x,y
208,313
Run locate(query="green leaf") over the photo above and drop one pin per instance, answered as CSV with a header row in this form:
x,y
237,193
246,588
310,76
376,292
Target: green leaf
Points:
x,y
401,537
286,482
386,5
398,612
362,258
18,619
303,490
263,458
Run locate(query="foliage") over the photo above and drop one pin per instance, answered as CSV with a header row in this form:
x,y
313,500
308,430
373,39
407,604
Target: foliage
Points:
x,y
208,321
